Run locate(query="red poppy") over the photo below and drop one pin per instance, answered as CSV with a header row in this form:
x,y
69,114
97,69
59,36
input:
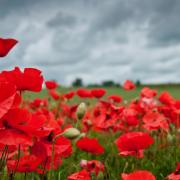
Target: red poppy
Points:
x,y
92,166
30,79
51,84
138,175
98,93
6,45
7,97
27,163
54,94
133,142
69,95
90,145
14,137
129,85
154,121
115,98
148,93
81,175
84,93
166,98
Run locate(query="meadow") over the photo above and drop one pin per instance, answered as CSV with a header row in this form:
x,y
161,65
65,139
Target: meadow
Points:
x,y
127,133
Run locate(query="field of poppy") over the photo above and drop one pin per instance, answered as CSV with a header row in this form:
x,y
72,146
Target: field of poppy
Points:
x,y
130,133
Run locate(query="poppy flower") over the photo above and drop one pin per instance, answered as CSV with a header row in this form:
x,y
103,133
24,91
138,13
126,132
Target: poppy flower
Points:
x,y
132,142
90,145
27,163
81,175
7,97
154,121
129,85
166,98
98,93
54,94
14,137
115,98
148,93
69,95
84,93
6,45
138,175
51,84
92,166
30,79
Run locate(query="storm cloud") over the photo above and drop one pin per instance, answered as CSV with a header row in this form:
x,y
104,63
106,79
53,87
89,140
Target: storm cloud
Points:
x,y
96,40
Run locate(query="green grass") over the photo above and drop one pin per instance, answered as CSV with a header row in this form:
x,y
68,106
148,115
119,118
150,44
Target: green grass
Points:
x,y
174,90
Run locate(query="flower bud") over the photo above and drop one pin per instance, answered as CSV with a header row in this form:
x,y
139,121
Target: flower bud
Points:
x,y
81,110
71,133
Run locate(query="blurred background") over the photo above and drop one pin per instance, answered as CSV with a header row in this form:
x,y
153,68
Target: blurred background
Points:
x,y
95,41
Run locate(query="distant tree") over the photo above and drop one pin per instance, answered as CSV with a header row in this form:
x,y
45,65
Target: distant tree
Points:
x,y
77,82
108,83
138,82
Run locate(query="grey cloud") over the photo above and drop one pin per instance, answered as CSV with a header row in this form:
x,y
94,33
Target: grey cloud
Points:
x,y
95,40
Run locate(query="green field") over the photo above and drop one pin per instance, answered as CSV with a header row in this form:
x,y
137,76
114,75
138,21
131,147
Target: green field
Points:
x,y
174,90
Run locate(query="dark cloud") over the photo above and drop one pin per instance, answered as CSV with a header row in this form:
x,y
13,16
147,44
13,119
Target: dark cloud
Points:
x,y
95,40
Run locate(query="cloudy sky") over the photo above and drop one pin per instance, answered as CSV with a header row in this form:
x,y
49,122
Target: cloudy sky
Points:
x,y
96,40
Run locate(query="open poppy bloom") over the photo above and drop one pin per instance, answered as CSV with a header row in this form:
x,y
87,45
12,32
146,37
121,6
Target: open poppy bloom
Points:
x,y
7,97
138,175
133,143
115,98
81,175
129,85
6,45
92,166
51,84
84,93
30,79
98,93
90,145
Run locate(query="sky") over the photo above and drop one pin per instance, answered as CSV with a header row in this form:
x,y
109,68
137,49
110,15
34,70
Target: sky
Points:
x,y
96,40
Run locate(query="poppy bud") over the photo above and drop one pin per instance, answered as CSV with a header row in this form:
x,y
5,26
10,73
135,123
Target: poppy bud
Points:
x,y
71,133
81,110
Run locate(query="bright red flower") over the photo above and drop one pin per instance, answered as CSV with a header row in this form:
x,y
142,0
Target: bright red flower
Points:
x,y
6,45
13,137
81,175
84,93
98,93
7,97
166,98
51,84
69,95
26,164
129,85
30,79
154,121
148,93
90,145
138,175
115,98
92,166
133,142
54,94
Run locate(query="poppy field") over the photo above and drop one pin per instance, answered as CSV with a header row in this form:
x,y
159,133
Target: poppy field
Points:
x,y
85,134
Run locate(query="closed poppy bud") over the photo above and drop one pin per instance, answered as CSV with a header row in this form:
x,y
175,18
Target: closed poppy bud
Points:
x,y
71,133
81,110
